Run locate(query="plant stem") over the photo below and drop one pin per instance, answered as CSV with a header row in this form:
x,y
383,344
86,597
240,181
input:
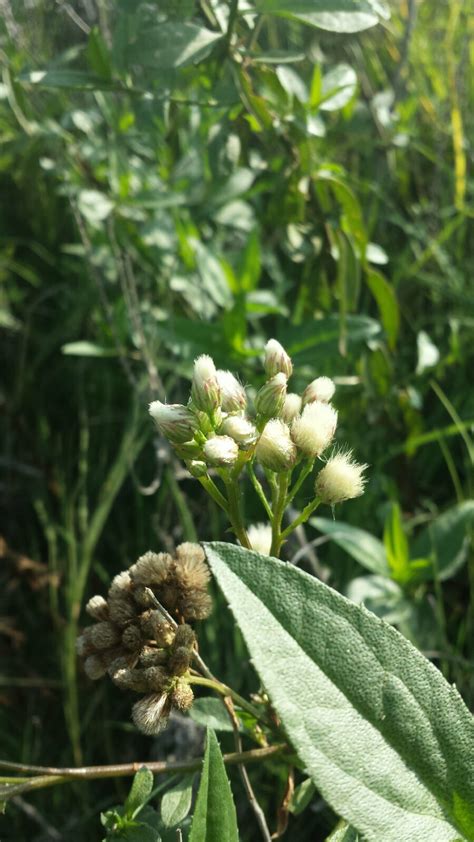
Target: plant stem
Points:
x,y
235,511
224,690
259,489
50,776
307,511
214,492
305,471
278,512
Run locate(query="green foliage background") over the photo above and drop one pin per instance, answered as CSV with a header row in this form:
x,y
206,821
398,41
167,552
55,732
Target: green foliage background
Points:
x,y
159,201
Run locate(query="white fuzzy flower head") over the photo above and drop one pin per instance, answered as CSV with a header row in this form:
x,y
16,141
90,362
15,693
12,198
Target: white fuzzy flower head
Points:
x,y
322,389
240,429
271,397
275,449
221,451
277,360
314,429
174,420
291,407
205,390
340,479
260,537
150,714
232,392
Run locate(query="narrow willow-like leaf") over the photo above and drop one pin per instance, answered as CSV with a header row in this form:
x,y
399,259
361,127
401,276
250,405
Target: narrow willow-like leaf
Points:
x,y
214,818
387,741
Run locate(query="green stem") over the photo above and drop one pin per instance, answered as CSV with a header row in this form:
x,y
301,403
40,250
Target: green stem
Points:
x,y
224,690
259,489
278,512
307,511
305,471
214,492
235,511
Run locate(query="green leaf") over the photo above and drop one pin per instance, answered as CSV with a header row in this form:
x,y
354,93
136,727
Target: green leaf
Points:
x,y
334,15
343,833
214,818
94,205
396,545
387,741
323,335
176,803
211,713
83,348
447,540
338,87
140,791
76,79
173,45
387,304
361,545
302,797
382,596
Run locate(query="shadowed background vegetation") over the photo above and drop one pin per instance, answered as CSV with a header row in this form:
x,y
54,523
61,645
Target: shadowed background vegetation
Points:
x,y
186,178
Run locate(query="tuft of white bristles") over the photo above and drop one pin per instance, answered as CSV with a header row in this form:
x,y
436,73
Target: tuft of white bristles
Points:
x,y
322,389
240,429
291,407
260,537
314,429
232,392
275,449
277,360
341,479
220,451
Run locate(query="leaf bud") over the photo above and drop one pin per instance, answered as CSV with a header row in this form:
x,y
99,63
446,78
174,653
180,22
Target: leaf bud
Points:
x,y
322,389
174,420
220,451
340,479
275,449
314,429
271,397
205,390
233,394
277,360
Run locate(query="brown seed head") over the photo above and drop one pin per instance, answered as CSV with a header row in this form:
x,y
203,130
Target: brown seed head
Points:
x,y
97,608
150,569
103,635
182,696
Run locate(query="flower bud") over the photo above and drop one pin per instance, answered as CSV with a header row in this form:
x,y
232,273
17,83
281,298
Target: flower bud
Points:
x,y
291,407
233,394
240,429
131,638
94,668
182,696
271,397
322,389
174,420
97,608
340,479
275,449
314,429
197,468
260,537
151,713
205,391
277,360
220,451
103,635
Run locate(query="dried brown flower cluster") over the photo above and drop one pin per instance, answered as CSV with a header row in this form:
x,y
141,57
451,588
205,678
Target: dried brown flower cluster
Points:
x,y
134,642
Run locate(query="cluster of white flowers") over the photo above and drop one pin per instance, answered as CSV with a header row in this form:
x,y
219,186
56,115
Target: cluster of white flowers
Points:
x,y
217,430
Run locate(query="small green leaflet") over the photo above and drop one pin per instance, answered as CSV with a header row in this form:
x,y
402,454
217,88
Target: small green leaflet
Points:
x,y
387,741
214,818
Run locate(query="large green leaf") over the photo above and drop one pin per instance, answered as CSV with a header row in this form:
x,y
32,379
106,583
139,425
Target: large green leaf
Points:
x,y
446,539
334,15
214,818
173,45
361,545
387,741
